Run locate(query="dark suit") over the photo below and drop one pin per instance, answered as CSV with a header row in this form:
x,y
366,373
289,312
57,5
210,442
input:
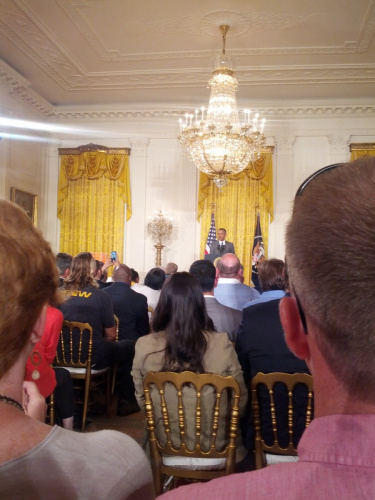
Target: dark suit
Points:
x,y
217,251
225,318
261,347
131,309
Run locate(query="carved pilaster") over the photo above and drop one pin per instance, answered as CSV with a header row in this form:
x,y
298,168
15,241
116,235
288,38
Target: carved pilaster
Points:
x,y
139,146
285,144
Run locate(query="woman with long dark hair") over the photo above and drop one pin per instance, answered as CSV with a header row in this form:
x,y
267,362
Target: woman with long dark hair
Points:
x,y
184,339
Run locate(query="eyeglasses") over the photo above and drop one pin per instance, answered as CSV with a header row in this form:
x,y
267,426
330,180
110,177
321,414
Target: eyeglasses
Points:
x,y
302,187
299,192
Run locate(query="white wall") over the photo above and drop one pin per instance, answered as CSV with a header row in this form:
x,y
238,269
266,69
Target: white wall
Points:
x,y
162,179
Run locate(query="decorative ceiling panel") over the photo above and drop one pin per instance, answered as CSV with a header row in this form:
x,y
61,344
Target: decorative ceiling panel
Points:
x,y
81,51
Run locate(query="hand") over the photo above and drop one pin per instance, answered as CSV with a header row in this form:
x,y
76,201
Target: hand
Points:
x,y
108,263
33,402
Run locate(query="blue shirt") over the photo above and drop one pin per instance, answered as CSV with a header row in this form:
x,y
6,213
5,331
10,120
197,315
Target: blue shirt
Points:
x,y
266,296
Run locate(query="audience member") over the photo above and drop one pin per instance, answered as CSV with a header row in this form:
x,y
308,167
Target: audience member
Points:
x,y
271,279
37,460
49,379
230,291
131,310
261,347
225,318
333,330
184,340
134,276
170,268
88,304
63,262
220,246
130,307
152,286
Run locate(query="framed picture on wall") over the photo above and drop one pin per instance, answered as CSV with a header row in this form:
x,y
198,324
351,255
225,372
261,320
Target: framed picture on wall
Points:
x,y
26,201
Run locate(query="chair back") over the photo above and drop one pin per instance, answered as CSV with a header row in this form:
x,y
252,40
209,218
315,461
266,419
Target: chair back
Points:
x,y
75,345
269,409
215,400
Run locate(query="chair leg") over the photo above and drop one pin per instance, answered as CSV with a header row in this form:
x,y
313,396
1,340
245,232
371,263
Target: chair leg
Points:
x,y
85,403
51,408
108,394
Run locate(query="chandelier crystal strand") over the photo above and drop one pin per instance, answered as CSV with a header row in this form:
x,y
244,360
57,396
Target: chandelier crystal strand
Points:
x,y
216,141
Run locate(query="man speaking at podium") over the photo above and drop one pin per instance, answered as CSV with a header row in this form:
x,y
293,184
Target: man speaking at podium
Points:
x,y
220,247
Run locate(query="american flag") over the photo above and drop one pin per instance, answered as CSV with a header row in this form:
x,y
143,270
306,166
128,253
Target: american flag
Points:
x,y
211,235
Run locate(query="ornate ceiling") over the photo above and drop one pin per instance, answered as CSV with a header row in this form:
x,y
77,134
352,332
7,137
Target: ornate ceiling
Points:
x,y
159,52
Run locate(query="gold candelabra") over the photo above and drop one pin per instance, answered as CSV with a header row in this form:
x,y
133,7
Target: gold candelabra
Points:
x,y
160,229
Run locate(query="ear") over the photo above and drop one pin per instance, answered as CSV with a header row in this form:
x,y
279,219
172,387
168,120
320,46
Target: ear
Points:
x,y
38,329
216,278
66,272
295,335
217,273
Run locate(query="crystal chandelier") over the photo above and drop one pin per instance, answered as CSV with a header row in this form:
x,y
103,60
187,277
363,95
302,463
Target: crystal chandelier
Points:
x,y
217,142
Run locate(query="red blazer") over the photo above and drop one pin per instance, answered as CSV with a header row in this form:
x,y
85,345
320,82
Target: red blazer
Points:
x,y
46,348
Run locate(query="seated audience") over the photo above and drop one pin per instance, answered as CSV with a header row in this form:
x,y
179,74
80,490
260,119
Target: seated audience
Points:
x,y
271,280
184,340
225,318
46,378
330,323
230,291
63,262
153,284
37,460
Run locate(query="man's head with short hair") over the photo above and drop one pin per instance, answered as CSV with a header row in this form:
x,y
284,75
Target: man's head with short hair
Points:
x,y
25,288
122,274
171,268
271,274
64,263
221,234
205,272
229,266
330,243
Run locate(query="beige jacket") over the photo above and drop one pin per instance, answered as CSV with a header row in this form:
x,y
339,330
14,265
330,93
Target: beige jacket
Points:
x,y
220,358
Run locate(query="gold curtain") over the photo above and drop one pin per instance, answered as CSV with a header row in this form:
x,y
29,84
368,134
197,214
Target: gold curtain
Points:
x,y
236,206
93,188
358,150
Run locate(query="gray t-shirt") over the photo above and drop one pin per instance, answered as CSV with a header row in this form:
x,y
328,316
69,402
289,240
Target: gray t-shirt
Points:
x,y
68,465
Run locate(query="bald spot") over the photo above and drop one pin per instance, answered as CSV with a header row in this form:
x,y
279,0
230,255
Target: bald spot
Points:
x,y
228,266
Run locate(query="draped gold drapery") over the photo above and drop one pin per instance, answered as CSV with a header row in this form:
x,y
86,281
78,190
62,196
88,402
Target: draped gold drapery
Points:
x,y
93,188
236,206
358,150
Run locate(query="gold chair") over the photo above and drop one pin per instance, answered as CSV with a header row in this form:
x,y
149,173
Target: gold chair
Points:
x,y
50,413
177,455
290,381
74,353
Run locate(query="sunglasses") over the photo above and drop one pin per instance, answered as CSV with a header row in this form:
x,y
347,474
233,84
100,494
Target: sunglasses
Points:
x,y
299,192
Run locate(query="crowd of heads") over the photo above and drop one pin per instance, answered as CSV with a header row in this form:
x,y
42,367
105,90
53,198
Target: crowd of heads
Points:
x,y
329,243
